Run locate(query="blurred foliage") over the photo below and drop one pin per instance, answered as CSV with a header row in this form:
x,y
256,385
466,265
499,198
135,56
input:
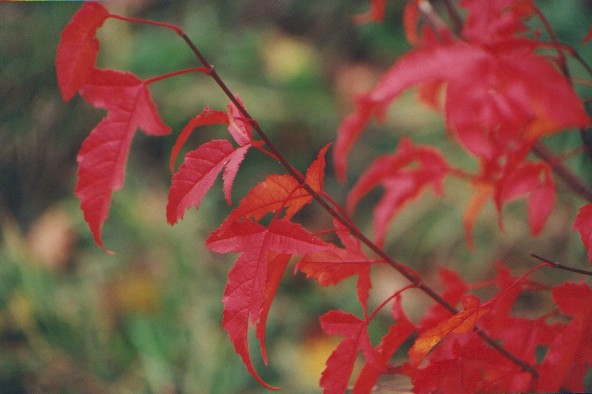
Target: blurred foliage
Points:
x,y
73,319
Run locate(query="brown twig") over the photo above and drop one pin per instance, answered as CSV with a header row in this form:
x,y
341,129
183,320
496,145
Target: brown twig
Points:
x,y
560,266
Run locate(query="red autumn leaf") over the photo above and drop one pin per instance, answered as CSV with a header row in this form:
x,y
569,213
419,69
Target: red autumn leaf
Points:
x,y
462,322
103,155
279,192
335,264
251,283
198,173
492,99
402,183
274,193
315,174
78,48
275,270
570,354
534,179
341,362
206,117
454,290
464,364
583,225
389,344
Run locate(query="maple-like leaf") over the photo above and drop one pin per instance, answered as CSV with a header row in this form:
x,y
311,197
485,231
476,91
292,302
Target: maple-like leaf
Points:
x,y
401,182
389,344
198,173
78,48
251,282
462,322
583,225
103,155
335,264
341,362
570,354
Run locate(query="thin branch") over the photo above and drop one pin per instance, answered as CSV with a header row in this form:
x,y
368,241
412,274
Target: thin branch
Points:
x,y
570,179
561,266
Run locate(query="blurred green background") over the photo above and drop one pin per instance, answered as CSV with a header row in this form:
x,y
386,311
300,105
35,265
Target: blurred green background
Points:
x,y
73,319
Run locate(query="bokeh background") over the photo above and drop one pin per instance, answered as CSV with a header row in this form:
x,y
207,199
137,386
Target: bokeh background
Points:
x,y
74,319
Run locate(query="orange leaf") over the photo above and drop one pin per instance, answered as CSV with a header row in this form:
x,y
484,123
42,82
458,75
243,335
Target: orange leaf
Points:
x,y
462,322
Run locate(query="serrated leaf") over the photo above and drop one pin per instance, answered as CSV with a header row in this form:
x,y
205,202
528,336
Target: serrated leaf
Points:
x,y
206,117
103,155
341,362
78,48
389,344
251,284
196,176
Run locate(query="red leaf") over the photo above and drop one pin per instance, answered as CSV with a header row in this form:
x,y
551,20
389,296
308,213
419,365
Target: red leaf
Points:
x,y
491,22
239,127
197,175
275,270
335,264
567,360
206,117
231,170
390,343
78,48
276,192
251,284
402,185
454,290
493,99
410,21
340,364
279,192
462,322
376,14
103,155
534,179
583,225
315,174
